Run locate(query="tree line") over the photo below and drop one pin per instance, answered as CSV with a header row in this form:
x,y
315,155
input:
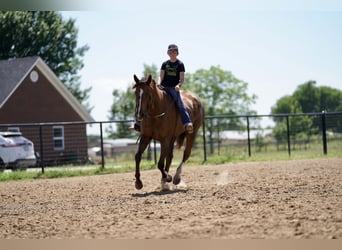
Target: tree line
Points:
x,y
224,94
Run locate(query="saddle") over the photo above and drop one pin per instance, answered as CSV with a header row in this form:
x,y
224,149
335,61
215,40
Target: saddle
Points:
x,y
161,87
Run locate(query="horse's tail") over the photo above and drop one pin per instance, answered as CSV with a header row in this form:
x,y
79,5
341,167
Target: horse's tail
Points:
x,y
180,140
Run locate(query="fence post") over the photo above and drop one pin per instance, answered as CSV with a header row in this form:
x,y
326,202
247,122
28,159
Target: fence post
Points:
x,y
324,133
288,135
218,138
155,151
249,138
204,141
102,152
41,148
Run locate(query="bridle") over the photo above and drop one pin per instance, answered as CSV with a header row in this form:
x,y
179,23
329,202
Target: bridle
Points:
x,y
139,103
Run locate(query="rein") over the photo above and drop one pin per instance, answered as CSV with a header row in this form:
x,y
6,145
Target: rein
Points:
x,y
163,113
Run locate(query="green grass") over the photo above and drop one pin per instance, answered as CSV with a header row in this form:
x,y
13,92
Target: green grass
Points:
x,y
67,171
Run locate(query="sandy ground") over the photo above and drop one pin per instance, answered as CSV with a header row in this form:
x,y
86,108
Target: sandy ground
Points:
x,y
269,200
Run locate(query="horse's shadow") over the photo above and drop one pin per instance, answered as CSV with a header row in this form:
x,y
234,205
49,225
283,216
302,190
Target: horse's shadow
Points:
x,y
162,192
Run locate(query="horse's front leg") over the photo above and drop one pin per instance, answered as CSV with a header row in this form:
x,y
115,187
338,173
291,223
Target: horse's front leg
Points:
x,y
144,141
169,158
161,163
166,177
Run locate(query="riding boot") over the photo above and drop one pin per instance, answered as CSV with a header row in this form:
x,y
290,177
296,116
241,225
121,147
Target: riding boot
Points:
x,y
189,128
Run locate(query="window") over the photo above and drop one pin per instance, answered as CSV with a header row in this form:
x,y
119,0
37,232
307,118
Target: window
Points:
x,y
58,138
34,76
13,129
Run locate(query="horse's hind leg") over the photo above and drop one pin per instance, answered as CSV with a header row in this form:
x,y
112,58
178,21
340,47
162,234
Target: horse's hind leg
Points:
x,y
177,178
144,141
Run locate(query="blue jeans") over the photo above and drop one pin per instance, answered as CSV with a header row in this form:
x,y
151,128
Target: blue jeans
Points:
x,y
177,98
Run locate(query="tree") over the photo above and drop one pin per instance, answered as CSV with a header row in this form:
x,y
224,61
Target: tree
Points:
x,y
300,127
45,34
151,70
284,105
330,99
307,98
223,94
122,109
316,99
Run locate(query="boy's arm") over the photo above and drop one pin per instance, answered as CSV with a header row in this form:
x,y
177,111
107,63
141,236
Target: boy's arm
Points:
x,y
181,79
161,76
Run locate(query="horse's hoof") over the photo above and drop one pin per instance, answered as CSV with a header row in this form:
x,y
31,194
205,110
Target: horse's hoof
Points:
x,y
165,187
176,180
168,178
138,185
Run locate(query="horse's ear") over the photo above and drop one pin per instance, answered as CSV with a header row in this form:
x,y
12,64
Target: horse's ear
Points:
x,y
149,78
153,83
136,79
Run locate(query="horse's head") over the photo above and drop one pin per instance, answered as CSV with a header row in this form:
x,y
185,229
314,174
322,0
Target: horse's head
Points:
x,y
143,96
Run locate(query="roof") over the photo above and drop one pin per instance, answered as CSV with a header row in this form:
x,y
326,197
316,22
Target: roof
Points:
x,y
14,71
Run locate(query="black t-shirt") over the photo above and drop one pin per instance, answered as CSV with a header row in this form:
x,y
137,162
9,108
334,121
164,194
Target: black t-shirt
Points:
x,y
172,70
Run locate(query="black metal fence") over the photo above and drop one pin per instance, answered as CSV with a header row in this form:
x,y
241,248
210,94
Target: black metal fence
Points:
x,y
82,143
290,132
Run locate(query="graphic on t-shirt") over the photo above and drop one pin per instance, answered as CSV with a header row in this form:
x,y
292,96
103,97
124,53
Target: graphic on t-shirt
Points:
x,y
171,71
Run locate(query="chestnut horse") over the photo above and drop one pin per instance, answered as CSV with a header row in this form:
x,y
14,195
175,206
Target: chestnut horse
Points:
x,y
160,120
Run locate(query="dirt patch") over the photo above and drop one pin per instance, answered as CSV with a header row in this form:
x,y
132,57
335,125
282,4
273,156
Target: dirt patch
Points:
x,y
285,199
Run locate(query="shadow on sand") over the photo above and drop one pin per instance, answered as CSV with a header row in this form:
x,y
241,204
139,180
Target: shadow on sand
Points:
x,y
161,192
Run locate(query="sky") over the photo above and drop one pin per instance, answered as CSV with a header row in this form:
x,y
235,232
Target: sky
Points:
x,y
274,46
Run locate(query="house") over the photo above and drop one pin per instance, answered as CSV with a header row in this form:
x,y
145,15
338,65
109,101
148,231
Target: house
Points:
x,y
31,93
